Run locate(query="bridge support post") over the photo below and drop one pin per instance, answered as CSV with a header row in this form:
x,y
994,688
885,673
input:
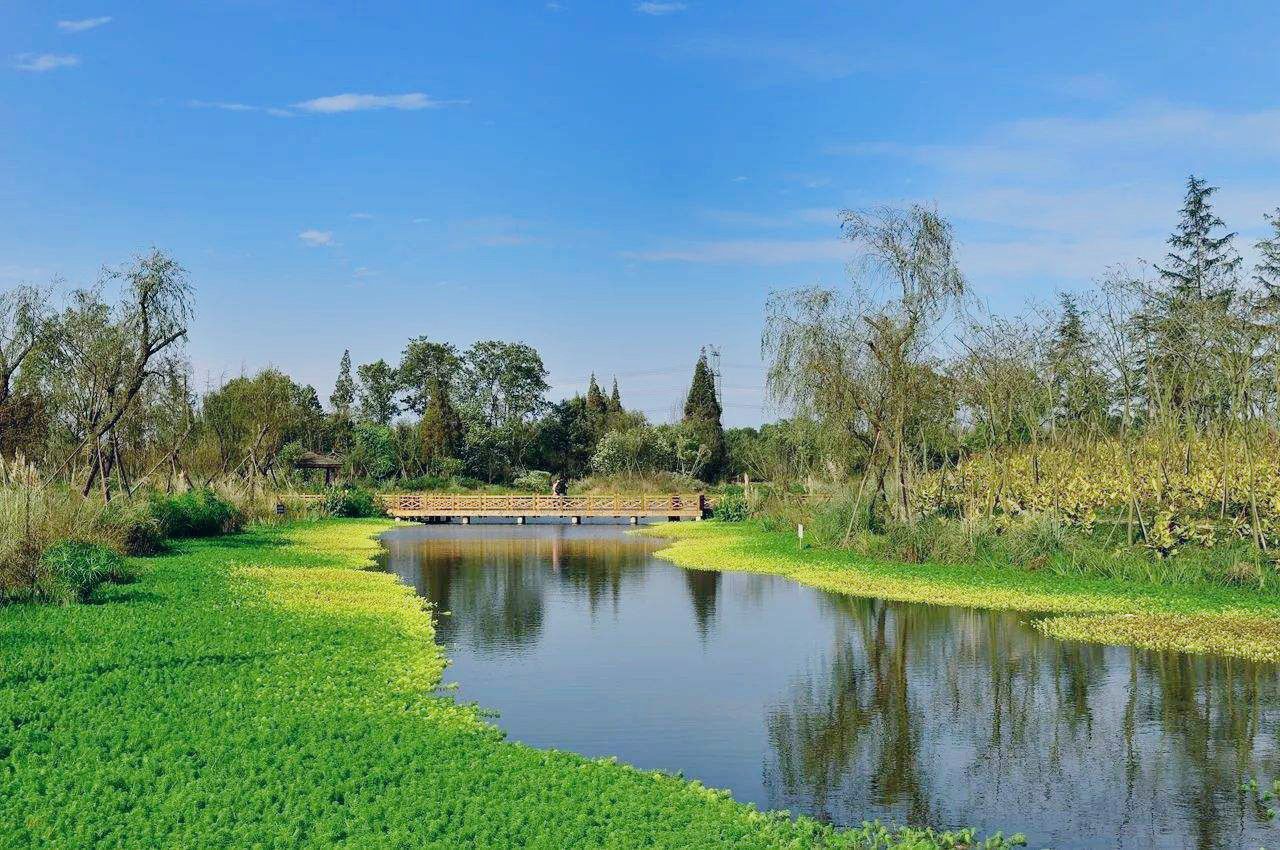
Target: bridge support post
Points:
x,y
635,520
575,520
465,520
519,520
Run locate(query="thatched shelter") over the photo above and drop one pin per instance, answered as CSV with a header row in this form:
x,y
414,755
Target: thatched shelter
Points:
x,y
314,460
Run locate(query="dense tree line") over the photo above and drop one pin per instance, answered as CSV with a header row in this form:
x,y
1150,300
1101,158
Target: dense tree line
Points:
x,y
905,374
98,391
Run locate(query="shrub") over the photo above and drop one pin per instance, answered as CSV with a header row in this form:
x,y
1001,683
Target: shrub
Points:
x,y
352,502
731,507
535,480
138,530
196,513
72,569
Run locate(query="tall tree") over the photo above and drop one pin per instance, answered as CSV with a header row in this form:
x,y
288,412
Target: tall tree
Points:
x,y
702,413
343,396
423,366
104,353
379,386
596,401
441,427
503,389
1078,385
1266,271
863,366
615,400
24,321
1203,262
1189,313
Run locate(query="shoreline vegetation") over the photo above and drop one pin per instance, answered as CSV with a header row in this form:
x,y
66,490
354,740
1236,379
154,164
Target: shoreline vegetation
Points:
x,y
269,688
1237,622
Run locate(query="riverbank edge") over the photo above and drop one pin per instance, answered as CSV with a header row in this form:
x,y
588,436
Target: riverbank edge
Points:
x,y
361,646
1220,621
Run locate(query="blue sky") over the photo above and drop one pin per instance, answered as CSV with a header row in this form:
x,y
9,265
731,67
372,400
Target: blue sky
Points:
x,y
616,183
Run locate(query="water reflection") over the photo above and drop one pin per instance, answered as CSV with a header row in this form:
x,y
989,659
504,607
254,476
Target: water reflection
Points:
x,y
846,708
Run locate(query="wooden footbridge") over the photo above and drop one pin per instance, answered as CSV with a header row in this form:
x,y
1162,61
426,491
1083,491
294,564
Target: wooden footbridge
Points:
x,y
463,507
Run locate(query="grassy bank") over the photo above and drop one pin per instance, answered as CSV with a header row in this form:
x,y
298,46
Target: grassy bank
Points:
x,y
1198,618
262,690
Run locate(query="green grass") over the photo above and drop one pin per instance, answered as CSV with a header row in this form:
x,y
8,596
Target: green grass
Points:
x,y
262,690
1197,617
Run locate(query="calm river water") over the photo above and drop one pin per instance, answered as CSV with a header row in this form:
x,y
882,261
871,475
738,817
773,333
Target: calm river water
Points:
x,y
843,708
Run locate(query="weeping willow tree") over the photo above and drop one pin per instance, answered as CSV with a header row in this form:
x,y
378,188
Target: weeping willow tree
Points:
x,y
861,363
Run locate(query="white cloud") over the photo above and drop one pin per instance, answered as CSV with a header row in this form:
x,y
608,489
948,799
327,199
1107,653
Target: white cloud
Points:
x,y
555,7
363,102
1061,198
41,62
83,24
316,238
231,106
360,216
660,8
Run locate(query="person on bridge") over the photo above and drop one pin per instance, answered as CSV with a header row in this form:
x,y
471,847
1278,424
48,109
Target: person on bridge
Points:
x,y
559,487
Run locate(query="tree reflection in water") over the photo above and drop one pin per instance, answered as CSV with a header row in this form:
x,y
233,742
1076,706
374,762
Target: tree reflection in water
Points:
x,y
928,713
846,708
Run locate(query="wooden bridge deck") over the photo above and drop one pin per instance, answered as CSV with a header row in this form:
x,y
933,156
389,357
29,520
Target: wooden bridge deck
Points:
x,y
465,506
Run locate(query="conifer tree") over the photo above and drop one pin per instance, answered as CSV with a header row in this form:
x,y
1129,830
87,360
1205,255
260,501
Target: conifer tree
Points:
x,y
344,389
702,414
615,400
1203,263
441,426
1266,272
596,401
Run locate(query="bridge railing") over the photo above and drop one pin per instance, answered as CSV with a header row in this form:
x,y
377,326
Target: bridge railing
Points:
x,y
466,504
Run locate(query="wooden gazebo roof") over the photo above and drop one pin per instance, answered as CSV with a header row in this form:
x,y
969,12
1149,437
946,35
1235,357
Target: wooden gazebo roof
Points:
x,y
315,460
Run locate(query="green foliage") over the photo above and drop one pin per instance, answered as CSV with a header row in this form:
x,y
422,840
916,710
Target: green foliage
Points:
x,y
251,419
731,506
268,690
702,416
352,502
343,396
635,451
379,384
876,836
533,481
1264,798
140,531
426,368
440,429
196,513
73,569
373,454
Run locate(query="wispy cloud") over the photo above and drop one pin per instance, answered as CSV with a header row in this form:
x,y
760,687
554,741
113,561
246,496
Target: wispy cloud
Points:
x,y
334,104
364,102
41,62
1061,198
316,238
660,8
83,24
232,106
360,216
